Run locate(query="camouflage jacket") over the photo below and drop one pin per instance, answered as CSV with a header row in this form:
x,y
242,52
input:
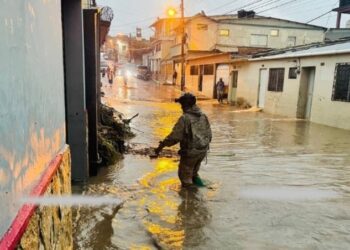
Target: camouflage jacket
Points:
x,y
191,125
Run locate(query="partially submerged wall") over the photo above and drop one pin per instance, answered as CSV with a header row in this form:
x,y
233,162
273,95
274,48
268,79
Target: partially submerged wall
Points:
x,y
51,227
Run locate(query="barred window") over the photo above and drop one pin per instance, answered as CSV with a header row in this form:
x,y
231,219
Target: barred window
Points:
x,y
276,80
194,70
292,73
208,69
341,87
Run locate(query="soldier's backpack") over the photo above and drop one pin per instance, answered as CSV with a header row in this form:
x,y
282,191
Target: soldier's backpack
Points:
x,y
199,132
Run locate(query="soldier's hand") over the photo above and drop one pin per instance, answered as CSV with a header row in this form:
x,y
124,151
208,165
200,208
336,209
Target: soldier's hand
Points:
x,y
158,150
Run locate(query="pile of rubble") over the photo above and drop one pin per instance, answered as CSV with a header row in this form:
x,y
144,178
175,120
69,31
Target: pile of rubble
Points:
x,y
113,131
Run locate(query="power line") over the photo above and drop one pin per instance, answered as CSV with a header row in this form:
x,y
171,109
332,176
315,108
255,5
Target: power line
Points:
x,y
277,6
224,5
242,7
302,10
262,5
319,16
136,22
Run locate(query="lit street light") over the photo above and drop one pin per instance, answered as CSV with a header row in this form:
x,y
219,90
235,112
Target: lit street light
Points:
x,y
171,12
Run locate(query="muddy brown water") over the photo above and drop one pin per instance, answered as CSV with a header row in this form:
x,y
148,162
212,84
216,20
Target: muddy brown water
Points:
x,y
274,183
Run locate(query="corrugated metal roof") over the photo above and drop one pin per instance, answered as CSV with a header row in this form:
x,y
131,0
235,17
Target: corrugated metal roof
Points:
x,y
334,49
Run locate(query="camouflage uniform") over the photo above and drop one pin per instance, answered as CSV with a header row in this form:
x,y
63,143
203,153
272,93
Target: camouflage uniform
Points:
x,y
191,124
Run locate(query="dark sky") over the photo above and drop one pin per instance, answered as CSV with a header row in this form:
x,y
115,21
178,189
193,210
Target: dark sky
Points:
x,y
130,14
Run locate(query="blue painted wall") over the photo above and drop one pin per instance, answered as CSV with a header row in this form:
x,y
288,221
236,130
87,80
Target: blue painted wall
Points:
x,y
32,116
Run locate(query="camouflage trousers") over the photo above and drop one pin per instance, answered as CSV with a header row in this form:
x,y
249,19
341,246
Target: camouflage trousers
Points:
x,y
189,167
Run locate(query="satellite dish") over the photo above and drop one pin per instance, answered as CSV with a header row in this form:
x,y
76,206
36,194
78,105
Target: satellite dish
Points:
x,y
107,14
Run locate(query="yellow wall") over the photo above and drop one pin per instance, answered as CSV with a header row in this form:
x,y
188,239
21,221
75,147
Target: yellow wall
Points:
x,y
201,39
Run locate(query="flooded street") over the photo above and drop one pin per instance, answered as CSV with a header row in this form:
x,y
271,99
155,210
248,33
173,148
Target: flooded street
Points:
x,y
273,183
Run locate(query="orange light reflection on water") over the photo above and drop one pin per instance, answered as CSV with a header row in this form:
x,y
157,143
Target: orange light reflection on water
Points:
x,y
162,206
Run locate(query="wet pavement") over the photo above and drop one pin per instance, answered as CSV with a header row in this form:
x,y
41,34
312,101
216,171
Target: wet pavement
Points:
x,y
273,183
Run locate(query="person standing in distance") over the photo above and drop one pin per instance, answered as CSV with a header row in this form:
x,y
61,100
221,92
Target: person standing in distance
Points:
x,y
174,77
220,87
193,132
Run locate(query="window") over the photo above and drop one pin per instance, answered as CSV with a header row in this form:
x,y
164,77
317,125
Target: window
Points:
x,y
293,73
274,32
209,69
341,87
224,32
258,40
194,70
124,48
202,26
276,80
292,40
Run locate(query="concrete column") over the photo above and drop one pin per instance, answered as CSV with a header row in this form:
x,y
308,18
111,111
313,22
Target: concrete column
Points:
x,y
76,115
91,42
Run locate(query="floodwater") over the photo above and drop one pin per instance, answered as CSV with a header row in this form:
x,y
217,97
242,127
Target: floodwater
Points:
x,y
273,183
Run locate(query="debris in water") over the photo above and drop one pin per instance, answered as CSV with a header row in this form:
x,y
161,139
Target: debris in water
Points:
x,y
166,153
113,130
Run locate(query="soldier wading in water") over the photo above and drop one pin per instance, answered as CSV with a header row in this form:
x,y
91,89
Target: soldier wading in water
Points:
x,y
193,132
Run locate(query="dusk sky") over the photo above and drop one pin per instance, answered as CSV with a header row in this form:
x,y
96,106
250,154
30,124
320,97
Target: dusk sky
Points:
x,y
130,14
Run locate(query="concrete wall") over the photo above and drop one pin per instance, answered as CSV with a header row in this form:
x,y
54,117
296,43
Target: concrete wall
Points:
x,y
208,80
32,113
240,35
323,109
201,39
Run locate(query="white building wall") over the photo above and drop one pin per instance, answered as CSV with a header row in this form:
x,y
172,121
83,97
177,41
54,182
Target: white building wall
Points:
x,y
240,35
208,85
323,109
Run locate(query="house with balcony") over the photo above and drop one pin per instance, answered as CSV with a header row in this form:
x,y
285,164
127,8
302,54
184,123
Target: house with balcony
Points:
x,y
164,38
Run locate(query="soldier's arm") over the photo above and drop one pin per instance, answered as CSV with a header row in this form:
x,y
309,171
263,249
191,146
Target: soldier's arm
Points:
x,y
176,134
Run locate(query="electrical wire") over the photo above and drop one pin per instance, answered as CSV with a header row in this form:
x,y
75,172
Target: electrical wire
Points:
x,y
242,7
274,7
319,17
223,5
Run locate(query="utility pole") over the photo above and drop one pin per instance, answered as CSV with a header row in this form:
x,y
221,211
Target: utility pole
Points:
x,y
344,8
183,40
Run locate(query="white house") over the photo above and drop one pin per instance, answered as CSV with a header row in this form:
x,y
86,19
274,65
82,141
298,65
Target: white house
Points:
x,y
208,37
312,83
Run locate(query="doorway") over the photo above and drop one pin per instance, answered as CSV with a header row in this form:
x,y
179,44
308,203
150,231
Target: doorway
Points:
x,y
306,90
263,79
234,84
200,78
223,71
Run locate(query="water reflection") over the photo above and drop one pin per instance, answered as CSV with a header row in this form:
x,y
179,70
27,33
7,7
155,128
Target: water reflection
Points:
x,y
281,184
193,215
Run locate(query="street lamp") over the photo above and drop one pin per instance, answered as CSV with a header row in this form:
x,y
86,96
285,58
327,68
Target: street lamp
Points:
x,y
183,40
171,12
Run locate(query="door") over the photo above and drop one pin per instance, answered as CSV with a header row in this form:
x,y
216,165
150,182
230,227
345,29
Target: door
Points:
x,y
263,79
200,78
306,90
234,83
223,71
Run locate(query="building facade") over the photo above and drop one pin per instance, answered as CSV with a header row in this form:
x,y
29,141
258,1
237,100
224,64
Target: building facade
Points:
x,y
33,144
311,84
210,36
